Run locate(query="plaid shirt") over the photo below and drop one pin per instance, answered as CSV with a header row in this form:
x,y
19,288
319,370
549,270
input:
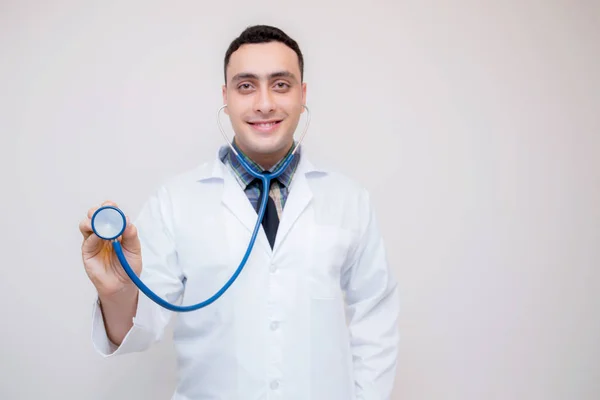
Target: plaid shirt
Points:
x,y
252,186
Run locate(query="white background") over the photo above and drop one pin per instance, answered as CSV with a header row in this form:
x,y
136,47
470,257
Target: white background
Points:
x,y
474,124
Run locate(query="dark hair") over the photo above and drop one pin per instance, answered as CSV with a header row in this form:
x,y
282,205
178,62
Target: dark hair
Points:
x,y
263,34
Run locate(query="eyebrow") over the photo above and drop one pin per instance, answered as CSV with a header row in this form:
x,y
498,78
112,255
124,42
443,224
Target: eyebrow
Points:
x,y
278,74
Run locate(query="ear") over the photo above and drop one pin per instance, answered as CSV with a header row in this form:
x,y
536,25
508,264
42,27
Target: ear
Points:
x,y
303,95
224,90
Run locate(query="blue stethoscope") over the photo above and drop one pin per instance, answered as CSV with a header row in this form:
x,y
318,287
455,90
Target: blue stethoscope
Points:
x,y
109,222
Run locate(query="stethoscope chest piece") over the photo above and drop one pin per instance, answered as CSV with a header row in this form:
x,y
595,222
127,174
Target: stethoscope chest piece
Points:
x,y
108,222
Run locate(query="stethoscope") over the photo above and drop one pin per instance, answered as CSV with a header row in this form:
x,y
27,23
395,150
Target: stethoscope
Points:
x,y
109,222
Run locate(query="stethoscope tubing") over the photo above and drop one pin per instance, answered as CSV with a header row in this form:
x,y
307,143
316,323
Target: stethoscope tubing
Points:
x,y
265,180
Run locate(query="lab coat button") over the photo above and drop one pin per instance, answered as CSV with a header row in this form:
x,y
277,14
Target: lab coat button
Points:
x,y
274,325
274,385
273,268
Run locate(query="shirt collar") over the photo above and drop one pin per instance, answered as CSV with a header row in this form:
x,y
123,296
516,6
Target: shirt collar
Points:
x,y
227,156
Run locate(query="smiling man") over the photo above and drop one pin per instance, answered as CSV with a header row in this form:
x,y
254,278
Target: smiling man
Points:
x,y
264,93
314,313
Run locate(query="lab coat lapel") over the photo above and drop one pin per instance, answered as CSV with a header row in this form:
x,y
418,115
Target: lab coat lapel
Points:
x,y
236,201
238,204
299,198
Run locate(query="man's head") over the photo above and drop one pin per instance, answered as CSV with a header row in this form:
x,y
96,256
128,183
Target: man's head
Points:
x,y
264,91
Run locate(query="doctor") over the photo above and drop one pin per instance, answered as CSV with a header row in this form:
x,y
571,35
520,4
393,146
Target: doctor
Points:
x,y
314,313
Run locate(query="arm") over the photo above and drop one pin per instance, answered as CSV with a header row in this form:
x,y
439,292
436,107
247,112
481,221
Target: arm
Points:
x,y
372,304
117,313
134,322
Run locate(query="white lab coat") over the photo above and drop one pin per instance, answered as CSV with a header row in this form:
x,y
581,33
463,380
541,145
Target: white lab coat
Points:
x,y
280,331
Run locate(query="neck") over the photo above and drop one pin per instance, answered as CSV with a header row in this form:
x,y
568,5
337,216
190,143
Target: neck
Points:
x,y
266,161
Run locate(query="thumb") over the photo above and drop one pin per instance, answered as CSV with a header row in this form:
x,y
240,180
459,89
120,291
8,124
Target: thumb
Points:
x,y
129,239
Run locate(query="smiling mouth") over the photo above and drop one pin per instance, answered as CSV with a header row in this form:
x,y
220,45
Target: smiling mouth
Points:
x,y
265,126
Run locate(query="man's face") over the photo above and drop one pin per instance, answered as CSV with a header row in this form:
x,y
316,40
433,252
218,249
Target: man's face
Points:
x,y
264,96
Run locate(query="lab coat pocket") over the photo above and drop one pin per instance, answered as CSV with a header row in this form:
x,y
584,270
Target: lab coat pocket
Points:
x,y
330,248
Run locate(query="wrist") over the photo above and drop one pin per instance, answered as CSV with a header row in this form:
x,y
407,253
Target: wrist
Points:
x,y
121,297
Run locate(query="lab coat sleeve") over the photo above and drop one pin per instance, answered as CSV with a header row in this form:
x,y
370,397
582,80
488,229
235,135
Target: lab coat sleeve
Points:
x,y
372,303
160,272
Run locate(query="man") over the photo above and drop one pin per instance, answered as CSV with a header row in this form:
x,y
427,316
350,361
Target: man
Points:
x,y
314,313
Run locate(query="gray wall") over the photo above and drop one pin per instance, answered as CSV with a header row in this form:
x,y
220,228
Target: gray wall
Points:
x,y
475,126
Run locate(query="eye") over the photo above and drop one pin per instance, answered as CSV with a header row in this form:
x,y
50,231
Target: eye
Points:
x,y
282,85
245,87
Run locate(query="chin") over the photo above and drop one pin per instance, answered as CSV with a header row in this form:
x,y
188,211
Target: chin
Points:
x,y
261,143
267,145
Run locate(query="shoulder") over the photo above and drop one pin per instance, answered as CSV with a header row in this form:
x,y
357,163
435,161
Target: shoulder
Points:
x,y
190,176
185,183
329,180
338,198
206,170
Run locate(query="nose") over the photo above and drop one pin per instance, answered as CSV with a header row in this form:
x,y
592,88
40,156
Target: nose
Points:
x,y
264,101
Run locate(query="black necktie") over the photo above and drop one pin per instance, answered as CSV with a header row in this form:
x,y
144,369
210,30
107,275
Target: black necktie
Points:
x,y
270,221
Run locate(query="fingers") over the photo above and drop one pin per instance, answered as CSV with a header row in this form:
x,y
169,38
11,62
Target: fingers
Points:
x,y
92,210
85,227
130,239
91,246
129,228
